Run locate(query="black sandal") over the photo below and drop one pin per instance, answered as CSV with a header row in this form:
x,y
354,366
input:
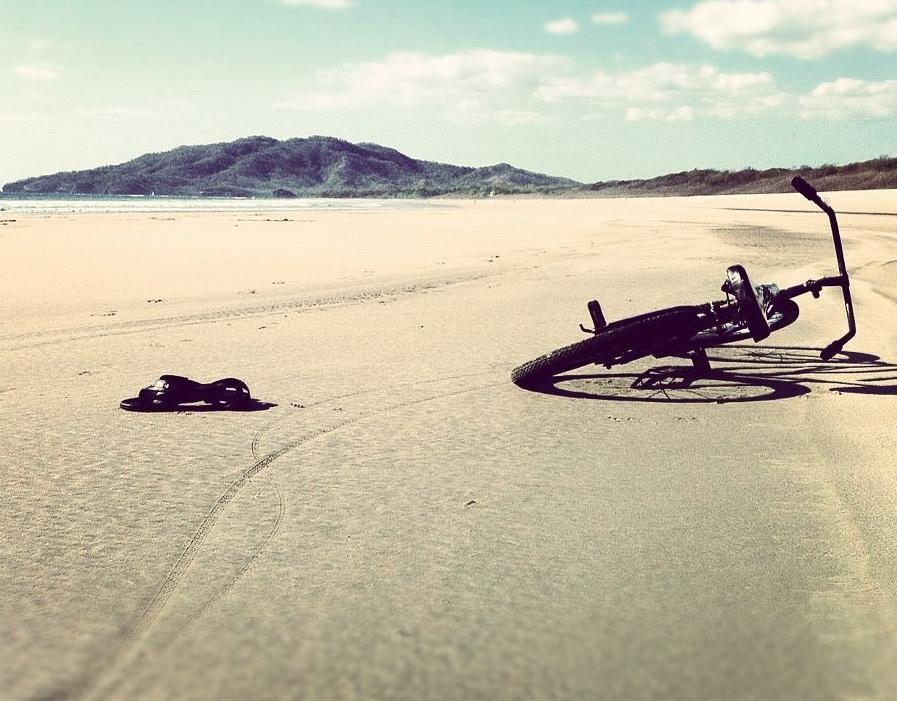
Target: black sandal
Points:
x,y
172,392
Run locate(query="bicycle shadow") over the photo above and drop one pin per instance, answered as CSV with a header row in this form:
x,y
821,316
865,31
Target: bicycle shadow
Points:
x,y
740,373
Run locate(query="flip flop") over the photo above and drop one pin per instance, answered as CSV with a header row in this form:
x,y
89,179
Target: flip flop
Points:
x,y
171,392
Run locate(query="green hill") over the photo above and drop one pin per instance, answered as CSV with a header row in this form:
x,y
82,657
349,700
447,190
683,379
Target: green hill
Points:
x,y
320,166
876,174
314,167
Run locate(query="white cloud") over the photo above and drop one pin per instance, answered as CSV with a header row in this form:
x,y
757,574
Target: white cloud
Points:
x,y
804,29
475,111
610,18
516,89
468,86
848,98
683,113
36,72
678,92
322,4
671,92
658,83
566,25
513,118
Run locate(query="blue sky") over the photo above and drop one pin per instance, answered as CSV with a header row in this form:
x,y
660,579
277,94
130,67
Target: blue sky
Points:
x,y
592,90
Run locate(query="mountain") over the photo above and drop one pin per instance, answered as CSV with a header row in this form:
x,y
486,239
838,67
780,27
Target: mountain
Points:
x,y
318,166
321,166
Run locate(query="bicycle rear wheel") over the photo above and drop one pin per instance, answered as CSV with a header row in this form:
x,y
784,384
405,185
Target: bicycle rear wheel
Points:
x,y
632,338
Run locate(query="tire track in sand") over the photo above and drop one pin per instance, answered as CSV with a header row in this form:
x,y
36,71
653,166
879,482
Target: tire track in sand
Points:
x,y
92,684
281,510
257,437
325,300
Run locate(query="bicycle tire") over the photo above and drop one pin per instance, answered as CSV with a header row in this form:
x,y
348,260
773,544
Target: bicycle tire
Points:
x,y
636,336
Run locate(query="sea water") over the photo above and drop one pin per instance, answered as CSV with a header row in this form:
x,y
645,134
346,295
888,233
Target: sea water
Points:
x,y
42,205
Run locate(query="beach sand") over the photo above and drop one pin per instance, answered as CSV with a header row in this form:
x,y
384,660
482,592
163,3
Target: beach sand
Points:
x,y
403,522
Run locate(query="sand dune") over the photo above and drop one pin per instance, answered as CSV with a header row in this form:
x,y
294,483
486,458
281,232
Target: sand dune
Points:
x,y
404,522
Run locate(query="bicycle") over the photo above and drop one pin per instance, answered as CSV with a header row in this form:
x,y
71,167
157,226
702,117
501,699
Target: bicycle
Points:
x,y
687,331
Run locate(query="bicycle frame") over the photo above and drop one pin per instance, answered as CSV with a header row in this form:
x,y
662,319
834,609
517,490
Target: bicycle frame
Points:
x,y
815,286
688,331
724,312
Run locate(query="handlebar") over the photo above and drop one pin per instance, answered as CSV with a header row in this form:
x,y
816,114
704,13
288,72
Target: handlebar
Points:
x,y
808,191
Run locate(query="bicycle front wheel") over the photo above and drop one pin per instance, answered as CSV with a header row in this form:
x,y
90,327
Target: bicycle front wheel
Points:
x,y
624,340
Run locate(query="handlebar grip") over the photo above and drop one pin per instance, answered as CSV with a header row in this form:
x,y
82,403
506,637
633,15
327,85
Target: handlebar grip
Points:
x,y
804,188
831,350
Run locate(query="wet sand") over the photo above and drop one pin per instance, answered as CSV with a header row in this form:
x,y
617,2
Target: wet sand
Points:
x,y
403,522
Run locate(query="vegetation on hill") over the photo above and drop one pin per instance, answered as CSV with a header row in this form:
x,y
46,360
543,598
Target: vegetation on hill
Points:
x,y
321,166
876,174
318,166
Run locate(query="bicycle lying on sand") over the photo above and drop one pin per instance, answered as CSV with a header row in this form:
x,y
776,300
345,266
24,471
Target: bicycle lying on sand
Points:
x,y
687,331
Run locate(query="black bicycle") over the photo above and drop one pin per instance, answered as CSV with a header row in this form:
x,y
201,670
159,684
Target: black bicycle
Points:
x,y
687,331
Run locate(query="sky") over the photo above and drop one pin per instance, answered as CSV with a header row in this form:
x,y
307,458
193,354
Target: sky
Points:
x,y
587,89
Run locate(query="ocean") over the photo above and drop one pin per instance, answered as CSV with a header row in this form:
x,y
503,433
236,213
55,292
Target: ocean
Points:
x,y
44,205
